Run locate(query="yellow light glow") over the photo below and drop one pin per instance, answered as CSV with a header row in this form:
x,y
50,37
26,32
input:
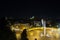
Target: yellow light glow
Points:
x,y
36,32
31,33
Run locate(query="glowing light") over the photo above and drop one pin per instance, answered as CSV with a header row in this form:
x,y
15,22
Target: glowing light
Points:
x,y
32,17
31,33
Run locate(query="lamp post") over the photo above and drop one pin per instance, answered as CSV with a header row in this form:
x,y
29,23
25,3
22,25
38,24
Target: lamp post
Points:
x,y
44,25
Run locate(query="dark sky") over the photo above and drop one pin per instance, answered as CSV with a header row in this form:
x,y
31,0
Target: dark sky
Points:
x,y
30,8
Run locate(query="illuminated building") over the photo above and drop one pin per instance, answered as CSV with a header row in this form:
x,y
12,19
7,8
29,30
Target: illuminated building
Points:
x,y
18,29
36,31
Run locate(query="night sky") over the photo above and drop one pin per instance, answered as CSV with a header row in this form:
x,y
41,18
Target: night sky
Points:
x,y
26,8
